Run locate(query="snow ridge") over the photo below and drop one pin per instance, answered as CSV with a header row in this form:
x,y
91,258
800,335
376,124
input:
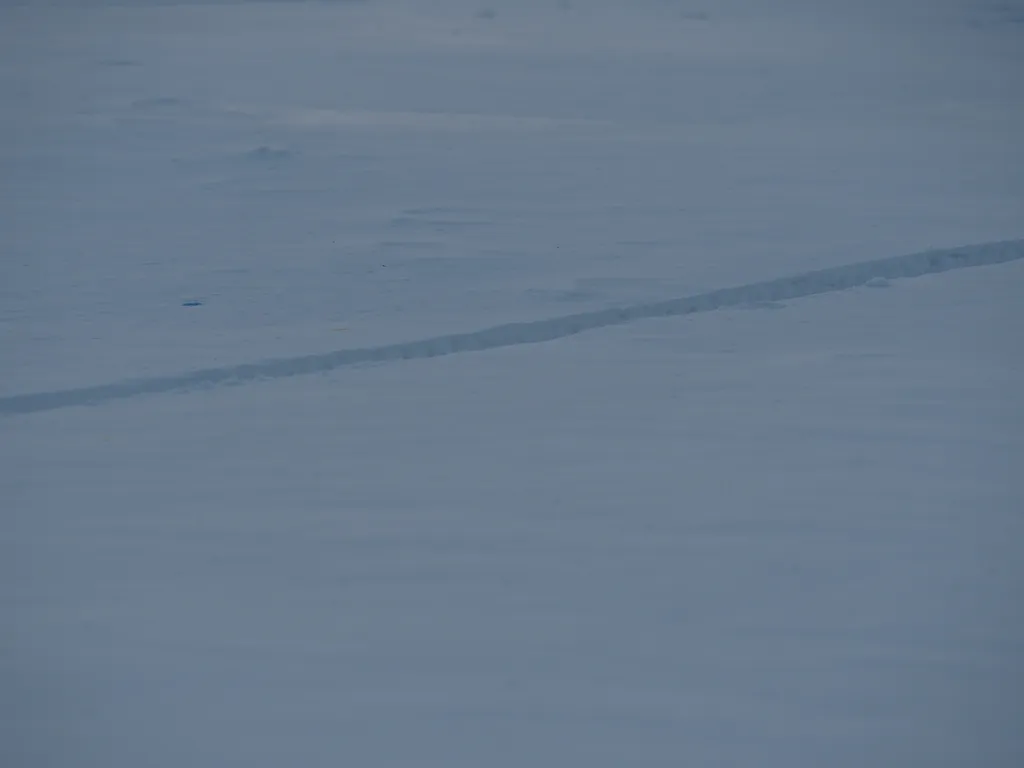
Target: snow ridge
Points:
x,y
534,332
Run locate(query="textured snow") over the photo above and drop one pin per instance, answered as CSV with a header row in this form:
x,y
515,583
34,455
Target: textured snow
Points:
x,y
702,494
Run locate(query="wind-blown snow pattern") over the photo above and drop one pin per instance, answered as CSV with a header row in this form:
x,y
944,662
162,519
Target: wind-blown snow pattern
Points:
x,y
514,334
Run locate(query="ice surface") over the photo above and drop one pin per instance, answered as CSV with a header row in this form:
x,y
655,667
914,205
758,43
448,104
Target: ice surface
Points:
x,y
685,537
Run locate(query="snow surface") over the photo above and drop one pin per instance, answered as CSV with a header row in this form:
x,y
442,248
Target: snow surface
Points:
x,y
764,511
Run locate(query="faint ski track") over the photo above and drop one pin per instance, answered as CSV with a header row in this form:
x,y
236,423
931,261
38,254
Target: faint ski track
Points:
x,y
514,334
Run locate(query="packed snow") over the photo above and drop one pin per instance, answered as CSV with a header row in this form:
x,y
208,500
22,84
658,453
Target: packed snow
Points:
x,y
554,382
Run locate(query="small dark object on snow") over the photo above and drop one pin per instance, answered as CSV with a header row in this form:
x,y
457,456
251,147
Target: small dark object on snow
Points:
x,y
192,303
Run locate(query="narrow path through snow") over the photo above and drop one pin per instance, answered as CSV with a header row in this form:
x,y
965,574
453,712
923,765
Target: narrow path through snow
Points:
x,y
513,334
